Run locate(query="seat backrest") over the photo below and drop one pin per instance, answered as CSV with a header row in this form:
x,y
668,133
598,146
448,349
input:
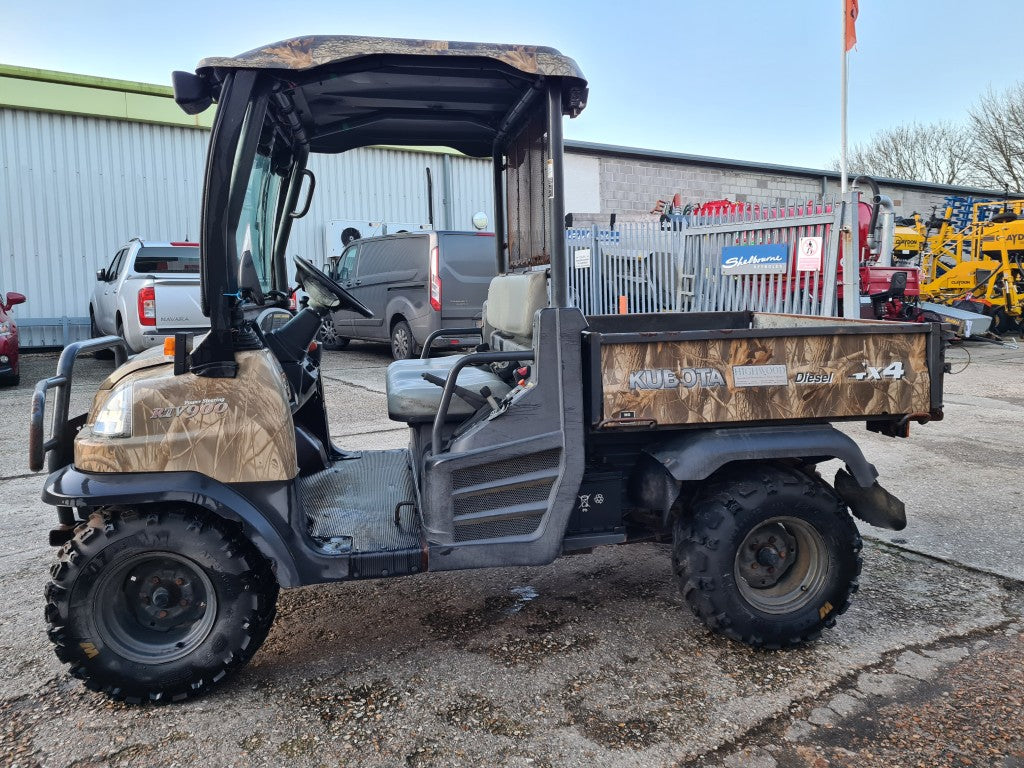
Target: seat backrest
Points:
x,y
513,300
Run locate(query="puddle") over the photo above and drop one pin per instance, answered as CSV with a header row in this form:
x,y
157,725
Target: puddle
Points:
x,y
523,596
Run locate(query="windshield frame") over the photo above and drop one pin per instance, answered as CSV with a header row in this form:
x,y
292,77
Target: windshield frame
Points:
x,y
247,147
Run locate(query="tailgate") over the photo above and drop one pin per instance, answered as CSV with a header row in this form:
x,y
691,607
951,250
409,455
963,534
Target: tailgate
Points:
x,y
178,304
468,263
779,368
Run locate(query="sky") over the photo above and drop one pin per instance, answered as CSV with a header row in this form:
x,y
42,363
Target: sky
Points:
x,y
742,79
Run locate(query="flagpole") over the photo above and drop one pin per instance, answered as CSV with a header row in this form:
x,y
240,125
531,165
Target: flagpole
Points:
x,y
842,108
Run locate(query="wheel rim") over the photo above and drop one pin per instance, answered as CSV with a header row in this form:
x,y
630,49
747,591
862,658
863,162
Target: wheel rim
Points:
x,y
328,334
400,342
154,607
782,565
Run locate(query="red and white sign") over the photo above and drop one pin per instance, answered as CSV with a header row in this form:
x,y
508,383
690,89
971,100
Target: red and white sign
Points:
x,y
808,254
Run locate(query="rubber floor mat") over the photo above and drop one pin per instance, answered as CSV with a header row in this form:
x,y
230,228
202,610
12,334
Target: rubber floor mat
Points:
x,y
356,499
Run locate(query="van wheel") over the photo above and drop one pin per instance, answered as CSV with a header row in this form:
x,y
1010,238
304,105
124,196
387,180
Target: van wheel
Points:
x,y
768,556
158,605
403,344
328,335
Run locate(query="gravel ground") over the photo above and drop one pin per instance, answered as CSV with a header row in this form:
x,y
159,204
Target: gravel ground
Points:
x,y
590,661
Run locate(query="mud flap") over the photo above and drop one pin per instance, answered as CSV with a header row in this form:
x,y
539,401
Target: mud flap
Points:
x,y
874,505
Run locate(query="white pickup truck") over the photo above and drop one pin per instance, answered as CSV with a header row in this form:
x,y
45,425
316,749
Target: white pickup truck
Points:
x,y
148,292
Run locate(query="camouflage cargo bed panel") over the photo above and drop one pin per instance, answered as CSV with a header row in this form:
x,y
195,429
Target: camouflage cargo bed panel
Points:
x,y
770,371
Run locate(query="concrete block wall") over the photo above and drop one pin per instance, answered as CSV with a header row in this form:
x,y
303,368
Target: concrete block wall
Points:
x,y
630,187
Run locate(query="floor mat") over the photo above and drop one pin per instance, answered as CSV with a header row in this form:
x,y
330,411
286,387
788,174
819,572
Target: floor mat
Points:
x,y
355,501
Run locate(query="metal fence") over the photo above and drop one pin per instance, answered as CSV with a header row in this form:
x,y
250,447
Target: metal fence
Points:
x,y
688,263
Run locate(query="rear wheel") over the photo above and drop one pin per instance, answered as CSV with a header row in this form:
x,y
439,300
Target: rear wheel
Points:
x,y
158,606
403,343
94,333
328,335
120,332
767,555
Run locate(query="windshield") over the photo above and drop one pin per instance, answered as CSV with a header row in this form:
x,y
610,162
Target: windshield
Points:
x,y
256,225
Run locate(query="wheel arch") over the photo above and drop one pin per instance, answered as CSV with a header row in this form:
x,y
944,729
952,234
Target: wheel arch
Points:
x,y
69,487
395,316
693,457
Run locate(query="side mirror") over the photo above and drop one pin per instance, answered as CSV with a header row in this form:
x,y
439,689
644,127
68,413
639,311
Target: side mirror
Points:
x,y
14,298
191,92
101,275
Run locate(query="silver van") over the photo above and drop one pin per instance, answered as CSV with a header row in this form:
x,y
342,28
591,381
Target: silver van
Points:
x,y
415,283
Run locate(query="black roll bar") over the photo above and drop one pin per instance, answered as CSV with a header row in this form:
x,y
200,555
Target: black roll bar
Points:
x,y
38,445
559,262
453,375
441,332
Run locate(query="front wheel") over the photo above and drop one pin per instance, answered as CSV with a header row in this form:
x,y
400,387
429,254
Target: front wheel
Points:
x,y
328,335
158,605
767,555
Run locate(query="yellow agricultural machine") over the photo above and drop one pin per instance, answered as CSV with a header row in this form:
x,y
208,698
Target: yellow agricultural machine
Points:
x,y
909,238
978,268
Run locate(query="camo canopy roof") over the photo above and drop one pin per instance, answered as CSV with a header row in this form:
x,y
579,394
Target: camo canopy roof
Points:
x,y
356,91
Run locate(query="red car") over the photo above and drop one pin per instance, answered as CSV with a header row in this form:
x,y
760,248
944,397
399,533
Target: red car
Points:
x,y
9,372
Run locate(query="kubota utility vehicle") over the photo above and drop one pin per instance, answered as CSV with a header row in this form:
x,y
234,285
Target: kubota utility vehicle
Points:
x,y
203,478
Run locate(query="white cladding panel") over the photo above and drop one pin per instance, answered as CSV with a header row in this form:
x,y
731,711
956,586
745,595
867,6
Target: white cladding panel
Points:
x,y
73,189
582,183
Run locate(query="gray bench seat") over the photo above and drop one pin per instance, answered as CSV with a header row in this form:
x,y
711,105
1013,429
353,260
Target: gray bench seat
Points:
x,y
413,399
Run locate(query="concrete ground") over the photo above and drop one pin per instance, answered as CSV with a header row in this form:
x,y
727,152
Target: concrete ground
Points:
x,y
592,660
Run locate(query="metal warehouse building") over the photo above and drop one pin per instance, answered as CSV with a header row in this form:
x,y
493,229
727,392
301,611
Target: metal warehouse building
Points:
x,y
86,163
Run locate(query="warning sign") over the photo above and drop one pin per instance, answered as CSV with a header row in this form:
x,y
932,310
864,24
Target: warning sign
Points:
x,y
808,254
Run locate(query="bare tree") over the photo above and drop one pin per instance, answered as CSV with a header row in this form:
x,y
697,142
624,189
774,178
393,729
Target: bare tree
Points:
x,y
997,121
941,153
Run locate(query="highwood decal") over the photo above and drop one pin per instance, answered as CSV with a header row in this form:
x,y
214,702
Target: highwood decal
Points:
x,y
760,376
191,408
666,378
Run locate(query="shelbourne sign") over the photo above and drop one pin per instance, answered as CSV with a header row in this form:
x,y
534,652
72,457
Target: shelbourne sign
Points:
x,y
772,258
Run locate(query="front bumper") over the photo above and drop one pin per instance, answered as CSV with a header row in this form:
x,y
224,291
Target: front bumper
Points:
x,y
8,357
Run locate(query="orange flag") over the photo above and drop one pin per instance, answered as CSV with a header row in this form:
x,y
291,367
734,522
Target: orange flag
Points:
x,y
852,10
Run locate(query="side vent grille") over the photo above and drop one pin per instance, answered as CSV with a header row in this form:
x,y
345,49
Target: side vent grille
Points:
x,y
503,498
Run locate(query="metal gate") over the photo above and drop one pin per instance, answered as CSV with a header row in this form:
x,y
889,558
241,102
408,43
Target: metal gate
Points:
x,y
690,264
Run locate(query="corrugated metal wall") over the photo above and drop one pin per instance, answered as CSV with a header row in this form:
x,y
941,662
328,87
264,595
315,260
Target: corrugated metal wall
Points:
x,y
72,189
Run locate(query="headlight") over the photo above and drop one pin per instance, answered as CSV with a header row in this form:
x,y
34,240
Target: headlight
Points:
x,y
114,418
5,329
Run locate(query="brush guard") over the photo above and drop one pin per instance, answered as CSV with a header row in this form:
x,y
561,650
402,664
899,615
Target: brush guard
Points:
x,y
60,445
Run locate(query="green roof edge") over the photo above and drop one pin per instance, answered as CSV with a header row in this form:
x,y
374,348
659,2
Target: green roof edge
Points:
x,y
88,81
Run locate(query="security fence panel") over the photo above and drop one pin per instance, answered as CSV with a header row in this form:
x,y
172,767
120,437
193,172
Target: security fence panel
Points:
x,y
763,259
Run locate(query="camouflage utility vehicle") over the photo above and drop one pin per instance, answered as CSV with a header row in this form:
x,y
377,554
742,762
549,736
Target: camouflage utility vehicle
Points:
x,y
203,478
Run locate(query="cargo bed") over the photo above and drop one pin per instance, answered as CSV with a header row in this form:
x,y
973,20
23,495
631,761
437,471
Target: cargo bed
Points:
x,y
704,369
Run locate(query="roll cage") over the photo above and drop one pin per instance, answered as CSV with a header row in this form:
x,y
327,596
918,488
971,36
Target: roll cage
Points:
x,y
279,103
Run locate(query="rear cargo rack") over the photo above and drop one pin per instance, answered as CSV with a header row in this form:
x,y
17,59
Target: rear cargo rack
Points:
x,y
60,441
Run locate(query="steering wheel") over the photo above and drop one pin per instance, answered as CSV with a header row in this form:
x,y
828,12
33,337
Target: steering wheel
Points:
x,y
324,292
